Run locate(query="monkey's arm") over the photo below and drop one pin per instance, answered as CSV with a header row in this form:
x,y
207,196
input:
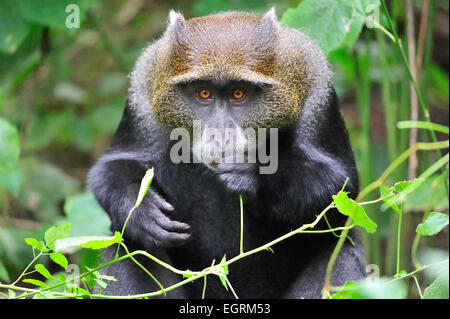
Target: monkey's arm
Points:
x,y
312,169
115,181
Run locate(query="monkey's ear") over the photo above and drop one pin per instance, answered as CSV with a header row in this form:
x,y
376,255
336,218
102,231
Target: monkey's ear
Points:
x,y
176,21
271,16
270,22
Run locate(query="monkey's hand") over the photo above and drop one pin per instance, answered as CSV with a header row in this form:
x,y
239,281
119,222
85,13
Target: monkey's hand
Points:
x,y
239,177
152,227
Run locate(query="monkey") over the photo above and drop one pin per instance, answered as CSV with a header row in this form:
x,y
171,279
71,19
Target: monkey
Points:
x,y
241,72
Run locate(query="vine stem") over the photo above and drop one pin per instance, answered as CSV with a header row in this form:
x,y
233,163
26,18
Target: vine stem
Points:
x,y
241,206
29,265
422,268
399,231
231,287
193,275
123,228
342,237
144,269
418,287
290,234
400,159
128,255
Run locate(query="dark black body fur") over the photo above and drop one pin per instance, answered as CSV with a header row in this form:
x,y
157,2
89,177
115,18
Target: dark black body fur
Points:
x,y
315,158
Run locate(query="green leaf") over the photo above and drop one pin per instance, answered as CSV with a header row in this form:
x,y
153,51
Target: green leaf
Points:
x,y
331,23
349,285
386,192
61,277
103,242
362,9
97,278
188,273
401,274
389,195
385,288
322,20
434,223
11,293
430,195
9,146
60,259
439,288
106,277
40,268
39,245
13,27
92,242
386,195
81,292
402,185
56,232
420,180
349,207
224,271
145,184
35,282
423,125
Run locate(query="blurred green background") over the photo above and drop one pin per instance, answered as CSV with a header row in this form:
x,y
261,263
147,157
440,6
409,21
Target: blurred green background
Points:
x,y
65,90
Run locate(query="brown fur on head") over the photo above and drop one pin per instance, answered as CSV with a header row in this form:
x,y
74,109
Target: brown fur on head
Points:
x,y
230,46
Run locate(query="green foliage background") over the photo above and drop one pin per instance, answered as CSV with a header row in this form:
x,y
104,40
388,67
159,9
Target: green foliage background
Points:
x,y
62,93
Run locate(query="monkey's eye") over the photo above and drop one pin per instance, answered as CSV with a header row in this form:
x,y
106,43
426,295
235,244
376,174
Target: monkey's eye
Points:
x,y
204,94
237,94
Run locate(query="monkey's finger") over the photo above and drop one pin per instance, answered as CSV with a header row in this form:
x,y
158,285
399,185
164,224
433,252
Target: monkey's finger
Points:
x,y
168,224
159,201
165,238
174,226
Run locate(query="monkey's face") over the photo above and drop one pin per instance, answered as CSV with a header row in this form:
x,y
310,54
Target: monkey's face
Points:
x,y
230,73
219,109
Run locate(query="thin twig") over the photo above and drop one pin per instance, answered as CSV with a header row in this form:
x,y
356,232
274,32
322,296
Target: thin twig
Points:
x,y
414,110
422,34
418,287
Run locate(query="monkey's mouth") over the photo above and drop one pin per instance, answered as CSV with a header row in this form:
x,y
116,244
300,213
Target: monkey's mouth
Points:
x,y
215,157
